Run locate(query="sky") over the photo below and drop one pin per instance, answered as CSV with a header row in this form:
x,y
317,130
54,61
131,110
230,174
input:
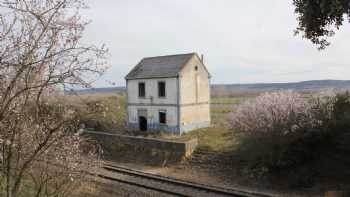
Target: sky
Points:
x,y
242,41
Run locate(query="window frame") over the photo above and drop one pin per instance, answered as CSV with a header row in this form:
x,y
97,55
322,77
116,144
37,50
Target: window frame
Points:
x,y
165,117
144,89
158,85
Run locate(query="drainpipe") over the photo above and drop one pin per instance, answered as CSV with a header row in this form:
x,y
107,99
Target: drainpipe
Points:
x,y
178,104
127,105
151,115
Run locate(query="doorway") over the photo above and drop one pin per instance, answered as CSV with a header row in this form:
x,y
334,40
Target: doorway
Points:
x,y
142,123
142,114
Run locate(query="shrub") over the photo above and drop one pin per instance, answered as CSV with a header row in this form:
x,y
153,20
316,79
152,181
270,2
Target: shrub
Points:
x,y
99,112
286,132
277,113
104,113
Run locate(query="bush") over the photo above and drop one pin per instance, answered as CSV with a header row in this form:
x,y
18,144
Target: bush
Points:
x,y
286,133
99,112
104,113
277,113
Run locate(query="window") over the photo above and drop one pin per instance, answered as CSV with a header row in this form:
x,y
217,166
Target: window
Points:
x,y
196,68
162,117
142,89
161,89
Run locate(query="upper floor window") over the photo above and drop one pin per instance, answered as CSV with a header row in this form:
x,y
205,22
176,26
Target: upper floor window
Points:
x,y
142,89
161,89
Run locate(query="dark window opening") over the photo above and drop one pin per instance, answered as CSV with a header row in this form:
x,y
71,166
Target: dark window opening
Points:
x,y
142,90
162,117
161,89
143,123
196,68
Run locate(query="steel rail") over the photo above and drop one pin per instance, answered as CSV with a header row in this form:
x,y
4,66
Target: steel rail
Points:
x,y
164,191
177,182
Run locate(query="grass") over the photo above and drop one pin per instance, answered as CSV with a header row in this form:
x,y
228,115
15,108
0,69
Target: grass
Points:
x,y
218,137
227,100
221,110
225,105
213,138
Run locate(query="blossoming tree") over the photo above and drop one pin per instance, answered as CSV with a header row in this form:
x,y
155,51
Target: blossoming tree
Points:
x,y
41,51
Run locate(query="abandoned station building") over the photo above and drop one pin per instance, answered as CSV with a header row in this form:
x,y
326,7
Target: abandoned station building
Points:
x,y
169,93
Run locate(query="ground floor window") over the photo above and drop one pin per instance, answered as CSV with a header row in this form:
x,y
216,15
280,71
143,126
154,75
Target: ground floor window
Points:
x,y
162,117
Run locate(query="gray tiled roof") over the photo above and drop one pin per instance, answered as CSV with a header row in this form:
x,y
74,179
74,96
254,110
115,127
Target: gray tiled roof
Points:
x,y
161,66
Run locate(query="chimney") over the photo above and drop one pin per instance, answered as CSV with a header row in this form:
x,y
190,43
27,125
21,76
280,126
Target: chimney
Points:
x,y
202,59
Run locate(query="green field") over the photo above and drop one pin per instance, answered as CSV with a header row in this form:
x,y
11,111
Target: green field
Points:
x,y
227,100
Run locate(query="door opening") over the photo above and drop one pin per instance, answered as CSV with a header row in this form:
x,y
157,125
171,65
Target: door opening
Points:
x,y
143,123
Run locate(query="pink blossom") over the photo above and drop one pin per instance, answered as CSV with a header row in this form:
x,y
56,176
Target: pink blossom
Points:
x,y
280,113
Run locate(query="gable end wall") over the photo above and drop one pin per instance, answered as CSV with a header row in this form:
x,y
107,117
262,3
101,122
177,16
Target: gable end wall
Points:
x,y
194,96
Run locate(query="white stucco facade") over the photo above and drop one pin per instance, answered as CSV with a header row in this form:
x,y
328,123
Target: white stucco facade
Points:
x,y
152,91
152,103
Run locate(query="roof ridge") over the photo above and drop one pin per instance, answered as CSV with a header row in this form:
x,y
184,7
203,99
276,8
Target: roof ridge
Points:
x,y
193,53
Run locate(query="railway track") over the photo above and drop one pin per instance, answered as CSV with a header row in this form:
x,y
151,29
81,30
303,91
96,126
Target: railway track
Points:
x,y
167,185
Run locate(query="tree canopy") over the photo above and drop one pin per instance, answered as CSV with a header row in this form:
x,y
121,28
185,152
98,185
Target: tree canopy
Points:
x,y
319,19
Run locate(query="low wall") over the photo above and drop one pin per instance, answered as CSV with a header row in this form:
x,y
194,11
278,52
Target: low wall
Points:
x,y
164,149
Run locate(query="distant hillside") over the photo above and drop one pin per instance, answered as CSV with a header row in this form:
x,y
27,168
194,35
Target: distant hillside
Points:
x,y
237,89
118,90
305,86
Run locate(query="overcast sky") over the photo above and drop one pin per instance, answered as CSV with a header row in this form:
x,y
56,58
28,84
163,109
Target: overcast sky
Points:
x,y
242,41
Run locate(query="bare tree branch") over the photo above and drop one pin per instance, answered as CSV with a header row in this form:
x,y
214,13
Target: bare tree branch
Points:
x,y
40,53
